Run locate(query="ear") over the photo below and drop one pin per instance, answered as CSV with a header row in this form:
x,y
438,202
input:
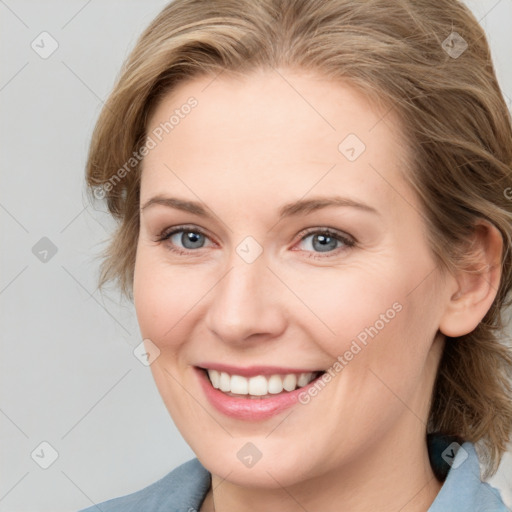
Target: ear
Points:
x,y
476,285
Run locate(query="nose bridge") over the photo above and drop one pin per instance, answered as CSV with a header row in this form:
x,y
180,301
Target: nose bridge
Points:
x,y
242,303
240,288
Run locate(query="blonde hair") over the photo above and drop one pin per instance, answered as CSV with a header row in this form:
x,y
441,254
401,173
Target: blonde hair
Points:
x,y
404,53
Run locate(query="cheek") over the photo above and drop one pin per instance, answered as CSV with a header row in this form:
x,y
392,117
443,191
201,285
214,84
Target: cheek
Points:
x,y
336,306
168,298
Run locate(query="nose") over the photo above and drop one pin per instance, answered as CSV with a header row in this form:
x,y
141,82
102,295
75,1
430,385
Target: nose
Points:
x,y
247,304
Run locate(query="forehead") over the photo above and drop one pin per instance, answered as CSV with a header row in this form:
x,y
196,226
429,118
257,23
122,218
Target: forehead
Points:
x,y
279,133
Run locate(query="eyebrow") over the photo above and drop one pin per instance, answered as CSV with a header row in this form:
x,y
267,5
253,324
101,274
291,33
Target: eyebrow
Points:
x,y
305,206
178,204
302,206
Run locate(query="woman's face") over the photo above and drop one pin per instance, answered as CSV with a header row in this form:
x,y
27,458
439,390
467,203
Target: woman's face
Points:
x,y
278,238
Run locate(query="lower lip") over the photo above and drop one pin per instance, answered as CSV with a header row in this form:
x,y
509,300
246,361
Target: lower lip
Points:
x,y
250,409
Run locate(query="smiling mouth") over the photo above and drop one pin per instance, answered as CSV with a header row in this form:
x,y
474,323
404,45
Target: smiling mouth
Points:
x,y
259,386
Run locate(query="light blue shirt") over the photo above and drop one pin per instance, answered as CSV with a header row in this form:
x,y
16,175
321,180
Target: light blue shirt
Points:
x,y
184,489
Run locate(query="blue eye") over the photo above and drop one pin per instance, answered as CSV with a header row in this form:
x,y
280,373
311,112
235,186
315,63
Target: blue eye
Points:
x,y
184,239
322,242
188,239
325,241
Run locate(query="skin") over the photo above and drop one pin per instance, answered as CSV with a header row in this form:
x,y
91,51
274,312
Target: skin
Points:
x,y
251,145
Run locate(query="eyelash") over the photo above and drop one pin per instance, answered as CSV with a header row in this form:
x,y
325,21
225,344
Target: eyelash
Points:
x,y
165,235
348,241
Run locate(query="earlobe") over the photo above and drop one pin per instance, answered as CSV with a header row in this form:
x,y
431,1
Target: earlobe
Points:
x,y
477,284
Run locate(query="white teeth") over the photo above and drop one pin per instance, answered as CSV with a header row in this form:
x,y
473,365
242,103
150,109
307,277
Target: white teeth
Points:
x,y
215,378
259,385
290,382
304,379
275,384
224,382
239,385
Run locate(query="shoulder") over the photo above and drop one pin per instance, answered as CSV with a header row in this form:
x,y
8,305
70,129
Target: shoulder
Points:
x,y
181,490
463,489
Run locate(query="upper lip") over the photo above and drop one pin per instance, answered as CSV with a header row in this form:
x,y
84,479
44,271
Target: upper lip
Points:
x,y
251,371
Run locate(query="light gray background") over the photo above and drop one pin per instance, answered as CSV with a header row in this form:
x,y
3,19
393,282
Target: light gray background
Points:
x,y
68,373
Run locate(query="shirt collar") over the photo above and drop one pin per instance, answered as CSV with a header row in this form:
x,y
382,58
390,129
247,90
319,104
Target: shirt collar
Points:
x,y
463,490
